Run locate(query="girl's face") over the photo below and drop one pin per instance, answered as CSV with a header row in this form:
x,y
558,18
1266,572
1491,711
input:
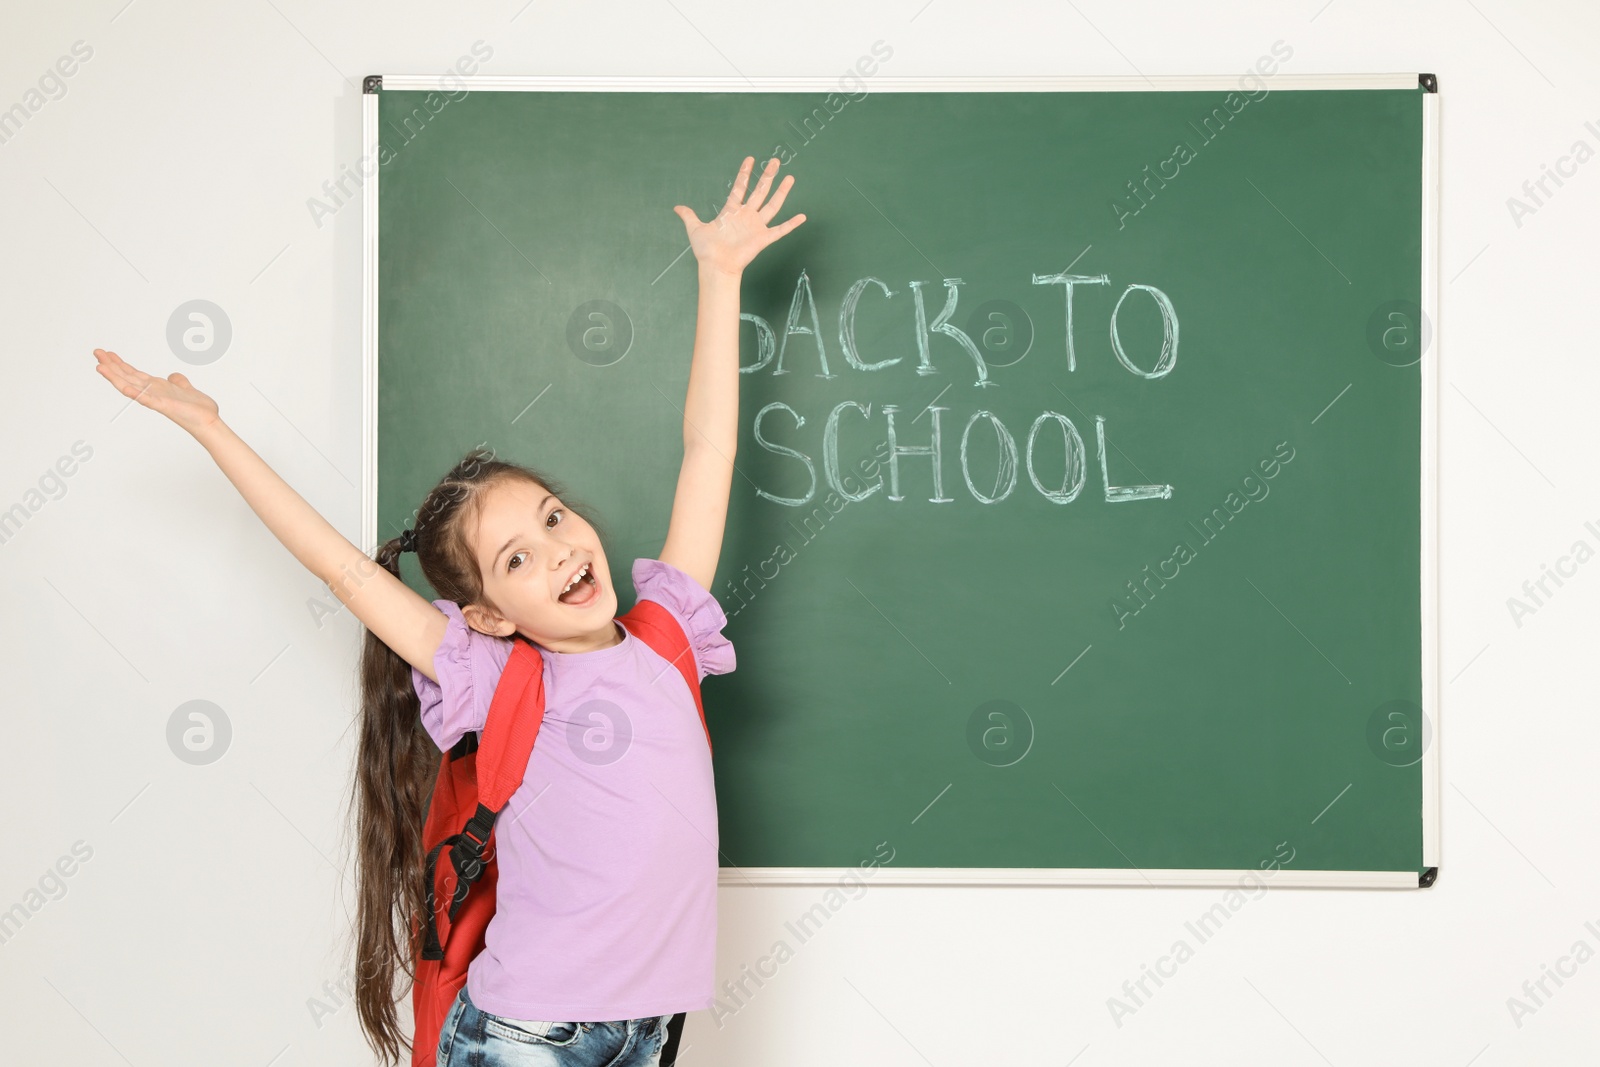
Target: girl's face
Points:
x,y
529,548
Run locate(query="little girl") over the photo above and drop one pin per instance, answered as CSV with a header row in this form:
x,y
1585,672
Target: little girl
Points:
x,y
605,917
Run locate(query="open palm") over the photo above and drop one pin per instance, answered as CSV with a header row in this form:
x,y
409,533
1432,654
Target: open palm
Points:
x,y
171,396
740,230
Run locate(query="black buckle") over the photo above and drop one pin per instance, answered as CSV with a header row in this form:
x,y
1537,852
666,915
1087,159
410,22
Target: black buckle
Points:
x,y
466,856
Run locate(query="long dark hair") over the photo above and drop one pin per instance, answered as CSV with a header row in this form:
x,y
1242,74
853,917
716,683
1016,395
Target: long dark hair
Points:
x,y
397,761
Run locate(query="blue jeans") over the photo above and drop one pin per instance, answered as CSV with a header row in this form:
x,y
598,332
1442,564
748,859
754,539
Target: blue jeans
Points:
x,y
472,1037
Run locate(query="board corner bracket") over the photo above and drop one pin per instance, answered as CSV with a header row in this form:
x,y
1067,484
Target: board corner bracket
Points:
x,y
1428,82
373,82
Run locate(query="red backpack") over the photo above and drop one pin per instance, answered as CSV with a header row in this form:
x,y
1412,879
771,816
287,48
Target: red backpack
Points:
x,y
476,778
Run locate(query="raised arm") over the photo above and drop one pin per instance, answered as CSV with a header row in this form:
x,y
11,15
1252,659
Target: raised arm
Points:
x,y
723,247
388,607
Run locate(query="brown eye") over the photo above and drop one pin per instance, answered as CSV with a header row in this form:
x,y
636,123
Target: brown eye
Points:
x,y
511,564
553,513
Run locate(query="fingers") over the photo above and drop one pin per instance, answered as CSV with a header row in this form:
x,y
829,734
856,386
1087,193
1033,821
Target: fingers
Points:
x,y
770,208
113,365
783,228
765,183
740,183
114,370
121,381
128,380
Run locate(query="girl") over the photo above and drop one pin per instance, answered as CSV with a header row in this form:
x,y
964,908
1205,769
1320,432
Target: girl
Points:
x,y
605,915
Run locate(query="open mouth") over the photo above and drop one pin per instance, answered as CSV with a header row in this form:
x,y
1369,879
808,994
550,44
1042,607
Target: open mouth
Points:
x,y
583,589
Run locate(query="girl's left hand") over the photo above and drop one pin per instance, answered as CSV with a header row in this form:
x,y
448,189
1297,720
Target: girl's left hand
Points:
x,y
731,240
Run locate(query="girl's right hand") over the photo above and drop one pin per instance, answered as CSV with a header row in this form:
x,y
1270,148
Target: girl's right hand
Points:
x,y
172,396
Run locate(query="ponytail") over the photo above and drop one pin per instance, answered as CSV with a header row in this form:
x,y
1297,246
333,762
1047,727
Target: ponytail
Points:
x,y
396,765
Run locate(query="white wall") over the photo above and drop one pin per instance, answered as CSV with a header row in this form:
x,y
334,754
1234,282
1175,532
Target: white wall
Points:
x,y
209,920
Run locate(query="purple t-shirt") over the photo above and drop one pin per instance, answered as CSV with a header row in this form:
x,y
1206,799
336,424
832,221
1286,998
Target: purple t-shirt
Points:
x,y
606,904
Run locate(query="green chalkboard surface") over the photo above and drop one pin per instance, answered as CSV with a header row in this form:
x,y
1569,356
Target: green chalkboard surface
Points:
x,y
1080,521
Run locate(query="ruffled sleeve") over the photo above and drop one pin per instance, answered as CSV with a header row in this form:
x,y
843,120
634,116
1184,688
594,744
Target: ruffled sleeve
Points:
x,y
469,665
696,610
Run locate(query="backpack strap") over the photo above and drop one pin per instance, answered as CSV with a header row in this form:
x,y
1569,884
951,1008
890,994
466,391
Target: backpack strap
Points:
x,y
503,748
508,737
656,627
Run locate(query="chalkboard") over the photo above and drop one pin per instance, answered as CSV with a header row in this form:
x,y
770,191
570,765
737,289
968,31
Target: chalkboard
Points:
x,y
1082,528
